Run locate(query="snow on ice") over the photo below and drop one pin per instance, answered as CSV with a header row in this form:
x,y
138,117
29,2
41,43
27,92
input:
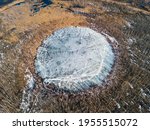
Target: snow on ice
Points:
x,y
75,58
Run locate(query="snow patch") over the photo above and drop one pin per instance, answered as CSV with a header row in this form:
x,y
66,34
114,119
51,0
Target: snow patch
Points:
x,y
131,86
29,79
129,24
118,105
143,93
1,59
75,58
27,93
131,41
140,108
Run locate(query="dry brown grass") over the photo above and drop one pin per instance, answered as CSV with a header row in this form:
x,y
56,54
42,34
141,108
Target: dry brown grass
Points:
x,y
122,90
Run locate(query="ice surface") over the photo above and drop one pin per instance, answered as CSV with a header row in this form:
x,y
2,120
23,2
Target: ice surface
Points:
x,y
74,58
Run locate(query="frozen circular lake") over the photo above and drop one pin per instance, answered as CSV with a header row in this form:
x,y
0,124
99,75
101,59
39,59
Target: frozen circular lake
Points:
x,y
74,58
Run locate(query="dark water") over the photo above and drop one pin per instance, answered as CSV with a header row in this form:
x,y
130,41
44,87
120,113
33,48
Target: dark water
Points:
x,y
36,8
47,2
4,2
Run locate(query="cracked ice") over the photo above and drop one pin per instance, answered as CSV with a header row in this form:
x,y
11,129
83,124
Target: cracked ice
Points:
x,y
74,58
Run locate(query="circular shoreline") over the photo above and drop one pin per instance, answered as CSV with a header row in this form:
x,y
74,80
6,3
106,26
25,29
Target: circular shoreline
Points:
x,y
69,44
